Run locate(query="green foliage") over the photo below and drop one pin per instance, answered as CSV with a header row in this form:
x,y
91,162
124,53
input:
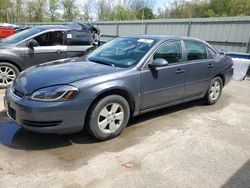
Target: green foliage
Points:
x,y
53,7
209,8
5,9
209,13
125,10
70,10
241,7
87,10
36,10
105,10
145,13
121,13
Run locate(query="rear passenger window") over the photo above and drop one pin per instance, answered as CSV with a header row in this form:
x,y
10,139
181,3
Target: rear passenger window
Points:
x,y
211,53
195,50
80,38
170,51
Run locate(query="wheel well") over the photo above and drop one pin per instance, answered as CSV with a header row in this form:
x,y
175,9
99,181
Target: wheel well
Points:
x,y
120,92
222,77
13,63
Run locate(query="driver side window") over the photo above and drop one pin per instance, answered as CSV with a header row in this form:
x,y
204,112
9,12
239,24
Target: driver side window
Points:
x,y
50,39
170,51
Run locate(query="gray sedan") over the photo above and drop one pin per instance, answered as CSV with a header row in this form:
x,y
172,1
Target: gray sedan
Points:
x,y
39,45
125,77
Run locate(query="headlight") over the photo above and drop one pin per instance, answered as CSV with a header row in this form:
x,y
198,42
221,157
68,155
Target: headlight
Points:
x,y
55,93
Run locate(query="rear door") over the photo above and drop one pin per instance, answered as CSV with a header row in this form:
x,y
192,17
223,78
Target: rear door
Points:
x,y
79,43
200,69
164,85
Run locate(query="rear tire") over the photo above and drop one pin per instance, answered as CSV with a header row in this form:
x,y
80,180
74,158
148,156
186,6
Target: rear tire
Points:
x,y
214,91
108,117
8,74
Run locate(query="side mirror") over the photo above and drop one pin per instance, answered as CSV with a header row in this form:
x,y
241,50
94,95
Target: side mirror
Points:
x,y
33,43
159,62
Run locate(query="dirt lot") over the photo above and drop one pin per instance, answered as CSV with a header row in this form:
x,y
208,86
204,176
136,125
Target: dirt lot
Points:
x,y
192,145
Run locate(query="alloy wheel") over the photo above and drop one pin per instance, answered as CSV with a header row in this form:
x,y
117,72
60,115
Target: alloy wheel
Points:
x,y
7,75
215,90
110,118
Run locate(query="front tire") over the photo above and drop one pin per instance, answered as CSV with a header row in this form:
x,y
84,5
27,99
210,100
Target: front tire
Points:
x,y
108,117
8,74
214,91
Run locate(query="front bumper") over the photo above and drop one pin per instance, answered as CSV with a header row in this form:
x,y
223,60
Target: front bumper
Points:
x,y
46,117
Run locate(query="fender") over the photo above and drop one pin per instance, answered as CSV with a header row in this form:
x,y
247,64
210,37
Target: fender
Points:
x,y
15,59
114,86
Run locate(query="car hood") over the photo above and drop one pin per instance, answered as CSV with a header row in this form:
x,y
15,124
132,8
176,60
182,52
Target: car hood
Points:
x,y
59,73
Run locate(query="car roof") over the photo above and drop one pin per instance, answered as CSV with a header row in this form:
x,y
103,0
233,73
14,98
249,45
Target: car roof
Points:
x,y
67,26
47,27
165,37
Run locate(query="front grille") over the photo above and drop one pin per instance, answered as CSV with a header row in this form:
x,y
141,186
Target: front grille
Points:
x,y
41,123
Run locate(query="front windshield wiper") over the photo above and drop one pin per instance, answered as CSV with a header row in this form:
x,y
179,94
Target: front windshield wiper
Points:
x,y
102,62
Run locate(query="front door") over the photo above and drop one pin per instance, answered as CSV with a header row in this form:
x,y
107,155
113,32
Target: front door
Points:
x,y
51,47
164,85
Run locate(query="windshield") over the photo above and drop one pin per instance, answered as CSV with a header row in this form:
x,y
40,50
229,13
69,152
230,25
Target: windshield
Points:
x,y
22,35
122,52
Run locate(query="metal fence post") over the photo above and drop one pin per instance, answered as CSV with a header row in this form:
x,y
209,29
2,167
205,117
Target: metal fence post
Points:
x,y
189,28
117,29
248,45
146,28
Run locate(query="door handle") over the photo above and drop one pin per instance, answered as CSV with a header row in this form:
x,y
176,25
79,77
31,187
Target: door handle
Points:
x,y
210,65
59,51
179,71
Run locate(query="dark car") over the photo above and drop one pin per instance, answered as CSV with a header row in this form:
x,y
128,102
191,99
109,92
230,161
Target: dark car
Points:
x,y
38,45
123,78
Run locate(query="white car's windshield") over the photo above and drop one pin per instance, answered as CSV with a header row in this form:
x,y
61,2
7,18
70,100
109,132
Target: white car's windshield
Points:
x,y
122,52
22,35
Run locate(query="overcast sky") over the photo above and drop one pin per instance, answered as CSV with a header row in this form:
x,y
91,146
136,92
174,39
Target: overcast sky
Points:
x,y
161,4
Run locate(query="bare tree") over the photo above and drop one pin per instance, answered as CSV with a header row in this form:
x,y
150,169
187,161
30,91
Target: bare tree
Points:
x,y
70,10
19,11
53,6
5,10
37,8
105,10
30,12
87,10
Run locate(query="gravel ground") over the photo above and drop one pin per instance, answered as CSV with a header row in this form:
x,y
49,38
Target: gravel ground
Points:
x,y
191,145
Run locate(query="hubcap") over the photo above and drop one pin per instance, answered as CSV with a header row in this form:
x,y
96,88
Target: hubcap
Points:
x,y
111,118
7,75
215,90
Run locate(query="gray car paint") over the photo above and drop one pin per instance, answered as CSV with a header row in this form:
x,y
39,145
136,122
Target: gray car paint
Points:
x,y
146,89
23,57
